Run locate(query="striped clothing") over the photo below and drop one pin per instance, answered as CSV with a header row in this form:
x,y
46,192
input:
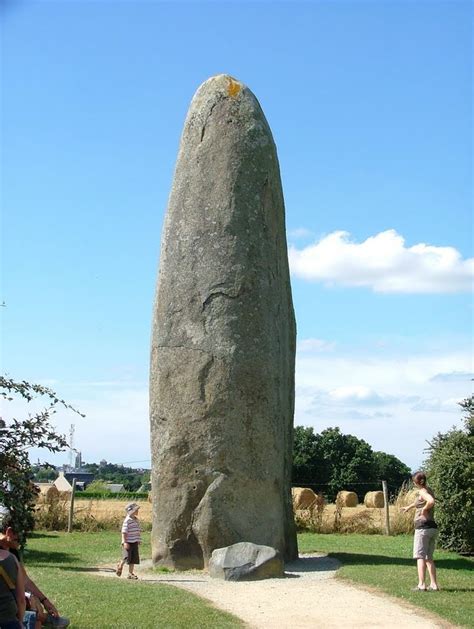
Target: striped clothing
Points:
x,y
131,530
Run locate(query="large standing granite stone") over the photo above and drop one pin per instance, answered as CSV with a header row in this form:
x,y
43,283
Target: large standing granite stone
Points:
x,y
222,360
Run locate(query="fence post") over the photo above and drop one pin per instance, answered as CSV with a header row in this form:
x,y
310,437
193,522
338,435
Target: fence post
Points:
x,y
387,510
71,506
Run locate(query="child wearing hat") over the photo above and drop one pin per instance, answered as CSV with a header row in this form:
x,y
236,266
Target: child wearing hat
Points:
x,y
131,538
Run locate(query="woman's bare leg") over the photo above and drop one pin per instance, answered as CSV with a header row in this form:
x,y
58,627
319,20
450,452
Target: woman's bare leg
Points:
x,y
432,572
421,566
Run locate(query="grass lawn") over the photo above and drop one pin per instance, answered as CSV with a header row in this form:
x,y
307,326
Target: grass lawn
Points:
x,y
58,562
386,564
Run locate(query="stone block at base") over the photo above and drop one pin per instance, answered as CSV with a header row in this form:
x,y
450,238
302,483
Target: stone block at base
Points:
x,y
246,562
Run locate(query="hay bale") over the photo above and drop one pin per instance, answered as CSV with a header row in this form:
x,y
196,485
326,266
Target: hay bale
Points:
x,y
347,499
51,493
374,500
304,498
48,494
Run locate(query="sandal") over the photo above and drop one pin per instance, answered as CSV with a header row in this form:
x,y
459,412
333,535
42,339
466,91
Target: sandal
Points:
x,y
418,589
118,569
432,589
133,577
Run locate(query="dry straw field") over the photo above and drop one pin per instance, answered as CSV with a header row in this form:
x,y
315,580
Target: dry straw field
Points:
x,y
317,516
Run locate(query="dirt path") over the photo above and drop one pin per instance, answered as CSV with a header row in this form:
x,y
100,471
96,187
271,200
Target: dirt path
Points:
x,y
308,597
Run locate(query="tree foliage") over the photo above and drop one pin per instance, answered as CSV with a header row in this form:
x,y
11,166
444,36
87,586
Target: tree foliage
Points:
x,y
17,436
450,466
44,473
331,461
131,478
306,459
391,469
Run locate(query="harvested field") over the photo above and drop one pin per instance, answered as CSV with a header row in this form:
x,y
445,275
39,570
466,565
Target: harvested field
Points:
x,y
358,519
106,509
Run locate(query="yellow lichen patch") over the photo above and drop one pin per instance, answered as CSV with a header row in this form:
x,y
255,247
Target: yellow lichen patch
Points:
x,y
234,87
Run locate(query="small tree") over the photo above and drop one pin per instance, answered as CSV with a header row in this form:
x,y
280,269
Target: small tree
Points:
x,y
350,461
334,461
17,491
392,470
306,457
98,486
450,466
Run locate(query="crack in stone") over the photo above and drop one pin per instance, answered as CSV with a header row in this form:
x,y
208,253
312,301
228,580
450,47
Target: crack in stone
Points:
x,y
202,378
219,293
203,130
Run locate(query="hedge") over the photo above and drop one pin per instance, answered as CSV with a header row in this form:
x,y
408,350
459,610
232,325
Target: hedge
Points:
x,y
108,495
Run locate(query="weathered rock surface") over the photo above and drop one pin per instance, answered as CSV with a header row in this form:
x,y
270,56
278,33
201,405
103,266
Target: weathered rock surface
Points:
x,y
223,343
246,562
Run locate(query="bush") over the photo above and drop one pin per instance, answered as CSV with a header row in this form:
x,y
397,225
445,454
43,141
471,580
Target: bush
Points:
x,y
17,491
311,519
108,495
98,486
450,466
402,522
52,512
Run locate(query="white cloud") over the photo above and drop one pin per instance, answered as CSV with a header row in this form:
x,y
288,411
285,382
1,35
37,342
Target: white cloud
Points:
x,y
300,232
392,399
383,263
115,427
436,405
355,394
453,376
314,345
387,399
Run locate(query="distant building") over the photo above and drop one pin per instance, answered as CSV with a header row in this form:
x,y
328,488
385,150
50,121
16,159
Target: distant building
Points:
x,y
64,480
115,488
61,483
78,461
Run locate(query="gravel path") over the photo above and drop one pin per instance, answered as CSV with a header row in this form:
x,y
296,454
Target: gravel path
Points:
x,y
308,596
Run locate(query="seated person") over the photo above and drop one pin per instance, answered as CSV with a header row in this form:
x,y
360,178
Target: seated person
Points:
x,y
12,592
46,612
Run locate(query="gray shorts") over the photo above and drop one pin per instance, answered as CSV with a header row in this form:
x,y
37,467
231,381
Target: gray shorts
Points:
x,y
131,556
424,543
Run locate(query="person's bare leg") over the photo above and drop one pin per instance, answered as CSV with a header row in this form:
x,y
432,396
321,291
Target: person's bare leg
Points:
x,y
432,572
130,568
421,566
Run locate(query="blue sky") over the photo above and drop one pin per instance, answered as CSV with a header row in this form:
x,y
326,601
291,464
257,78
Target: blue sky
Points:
x,y
371,110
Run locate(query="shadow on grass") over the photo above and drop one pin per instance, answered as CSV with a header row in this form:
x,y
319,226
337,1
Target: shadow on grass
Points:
x,y
458,563
71,568
43,535
50,558
359,559
347,559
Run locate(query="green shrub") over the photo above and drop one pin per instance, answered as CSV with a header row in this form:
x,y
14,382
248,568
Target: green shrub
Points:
x,y
98,487
107,495
450,466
